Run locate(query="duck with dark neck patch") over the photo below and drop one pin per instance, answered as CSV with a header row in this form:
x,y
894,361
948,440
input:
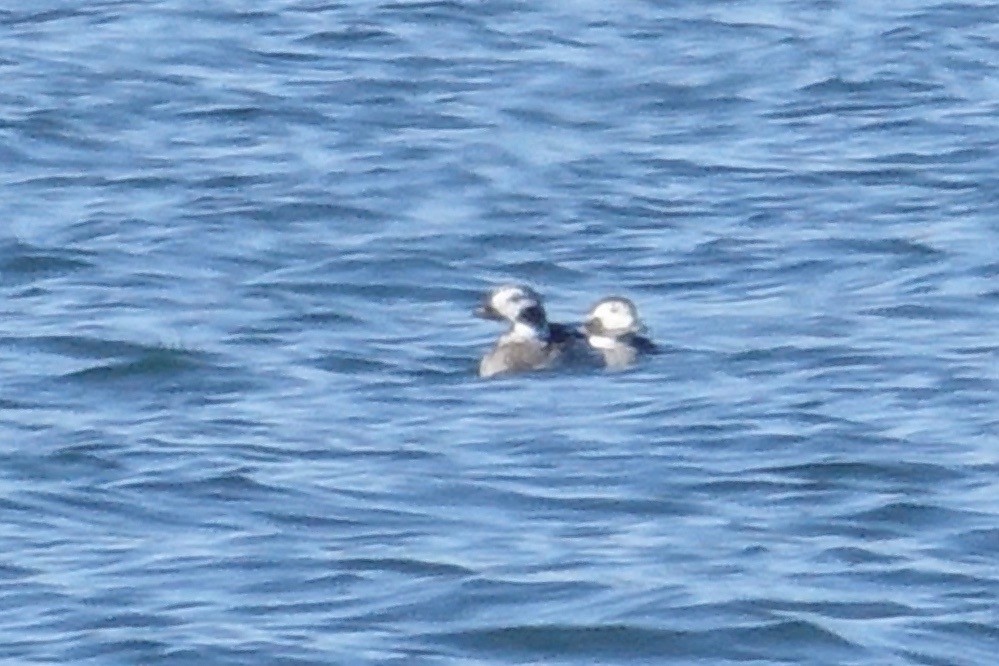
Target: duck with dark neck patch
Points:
x,y
614,331
532,342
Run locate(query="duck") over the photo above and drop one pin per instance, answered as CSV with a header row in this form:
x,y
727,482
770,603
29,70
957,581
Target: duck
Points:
x,y
614,332
532,342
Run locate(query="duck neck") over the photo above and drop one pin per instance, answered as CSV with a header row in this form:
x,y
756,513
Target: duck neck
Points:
x,y
603,341
526,331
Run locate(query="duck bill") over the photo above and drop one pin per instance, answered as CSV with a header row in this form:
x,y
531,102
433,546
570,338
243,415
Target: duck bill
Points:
x,y
487,311
592,327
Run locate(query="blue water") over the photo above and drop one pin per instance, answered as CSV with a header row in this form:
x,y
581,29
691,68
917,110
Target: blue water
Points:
x,y
239,248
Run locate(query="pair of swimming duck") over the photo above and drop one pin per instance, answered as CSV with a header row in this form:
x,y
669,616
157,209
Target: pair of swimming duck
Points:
x,y
610,336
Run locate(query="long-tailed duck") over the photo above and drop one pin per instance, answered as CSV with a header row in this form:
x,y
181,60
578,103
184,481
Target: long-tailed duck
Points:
x,y
614,330
531,343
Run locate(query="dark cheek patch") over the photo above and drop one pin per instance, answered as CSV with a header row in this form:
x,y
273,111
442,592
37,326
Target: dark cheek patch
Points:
x,y
533,315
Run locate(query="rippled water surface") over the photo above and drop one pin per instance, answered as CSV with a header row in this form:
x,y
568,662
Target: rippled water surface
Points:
x,y
239,248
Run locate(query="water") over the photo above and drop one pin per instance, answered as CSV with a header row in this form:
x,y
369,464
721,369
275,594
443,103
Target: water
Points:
x,y
240,247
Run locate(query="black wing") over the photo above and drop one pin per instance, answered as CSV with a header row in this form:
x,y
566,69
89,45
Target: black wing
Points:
x,y
561,333
644,345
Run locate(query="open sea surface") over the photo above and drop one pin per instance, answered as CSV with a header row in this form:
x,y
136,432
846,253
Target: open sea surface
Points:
x,y
240,243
